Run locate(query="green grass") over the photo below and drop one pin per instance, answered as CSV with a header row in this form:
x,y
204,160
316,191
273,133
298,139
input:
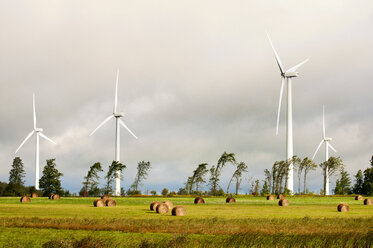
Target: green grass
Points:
x,y
251,221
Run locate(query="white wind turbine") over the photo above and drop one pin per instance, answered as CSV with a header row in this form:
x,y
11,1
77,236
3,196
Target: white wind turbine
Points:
x,y
118,122
325,140
290,73
38,132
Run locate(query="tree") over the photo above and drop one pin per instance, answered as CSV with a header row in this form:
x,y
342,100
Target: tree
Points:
x,y
269,177
299,167
265,189
164,191
142,172
237,176
90,185
50,182
16,175
359,182
215,172
368,180
153,192
307,165
343,184
256,188
330,167
115,171
199,175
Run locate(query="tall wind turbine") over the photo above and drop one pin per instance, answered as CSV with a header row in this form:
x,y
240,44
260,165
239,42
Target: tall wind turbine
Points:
x,y
38,132
118,122
288,75
325,140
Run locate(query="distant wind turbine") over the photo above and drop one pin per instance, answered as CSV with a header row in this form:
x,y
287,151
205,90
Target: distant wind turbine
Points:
x,y
118,122
325,140
290,73
38,132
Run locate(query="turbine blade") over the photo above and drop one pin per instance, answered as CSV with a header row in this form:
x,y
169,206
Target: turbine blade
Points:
x,y
116,93
276,55
124,125
317,149
332,147
279,103
33,108
293,69
102,123
45,137
28,136
323,121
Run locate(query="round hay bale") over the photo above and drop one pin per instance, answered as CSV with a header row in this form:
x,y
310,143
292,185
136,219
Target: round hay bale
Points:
x,y
99,203
104,197
34,195
368,201
50,196
343,207
199,200
230,200
358,198
270,198
55,197
110,203
283,202
25,199
280,196
154,205
169,204
162,208
178,211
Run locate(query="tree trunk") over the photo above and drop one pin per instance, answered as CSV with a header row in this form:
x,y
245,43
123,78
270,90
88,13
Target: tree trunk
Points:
x,y
229,184
325,181
304,183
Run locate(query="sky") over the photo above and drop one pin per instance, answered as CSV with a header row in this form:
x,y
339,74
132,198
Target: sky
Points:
x,y
197,78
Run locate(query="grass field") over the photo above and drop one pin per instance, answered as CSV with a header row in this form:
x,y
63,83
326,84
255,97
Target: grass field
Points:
x,y
250,222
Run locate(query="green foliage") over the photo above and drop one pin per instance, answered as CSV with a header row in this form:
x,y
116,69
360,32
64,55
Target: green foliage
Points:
x,y
237,176
330,167
50,182
164,191
197,179
215,172
16,175
115,171
307,165
265,189
359,182
90,185
142,172
153,192
368,180
343,184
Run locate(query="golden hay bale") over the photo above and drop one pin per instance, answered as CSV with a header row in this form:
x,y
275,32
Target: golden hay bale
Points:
x,y
178,211
104,197
199,200
270,198
343,207
34,195
358,198
154,205
169,204
280,196
230,200
50,196
368,201
99,203
283,202
25,199
55,197
110,203
162,208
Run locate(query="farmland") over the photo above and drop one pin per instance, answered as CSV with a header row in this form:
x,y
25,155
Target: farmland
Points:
x,y
251,221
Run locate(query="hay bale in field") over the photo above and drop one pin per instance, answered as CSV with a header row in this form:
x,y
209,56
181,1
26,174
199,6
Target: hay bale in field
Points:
x,y
50,196
99,203
280,196
178,211
34,195
162,208
169,204
154,205
358,198
199,200
104,197
25,199
55,197
270,198
230,200
110,203
368,201
343,207
283,202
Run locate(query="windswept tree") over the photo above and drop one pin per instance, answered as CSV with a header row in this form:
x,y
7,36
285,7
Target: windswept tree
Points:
x,y
142,172
115,171
330,167
197,179
215,172
269,179
50,182
307,165
237,176
90,184
299,167
16,176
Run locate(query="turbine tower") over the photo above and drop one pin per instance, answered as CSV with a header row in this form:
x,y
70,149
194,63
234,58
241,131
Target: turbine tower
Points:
x,y
325,140
38,132
288,75
118,122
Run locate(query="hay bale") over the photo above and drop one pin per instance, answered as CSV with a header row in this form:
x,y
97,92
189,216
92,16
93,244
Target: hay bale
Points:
x,y
154,205
169,204
368,201
283,202
34,195
162,208
25,199
199,200
230,200
55,197
270,198
358,198
50,196
110,203
280,196
343,207
104,197
99,203
178,211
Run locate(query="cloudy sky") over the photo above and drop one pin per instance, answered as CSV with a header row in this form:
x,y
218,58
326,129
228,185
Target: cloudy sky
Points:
x,y
197,78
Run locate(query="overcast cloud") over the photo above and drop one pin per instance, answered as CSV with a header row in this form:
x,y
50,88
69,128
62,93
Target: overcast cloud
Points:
x,y
197,78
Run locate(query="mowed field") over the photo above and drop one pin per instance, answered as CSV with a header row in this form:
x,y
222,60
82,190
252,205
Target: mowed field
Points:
x,y
250,222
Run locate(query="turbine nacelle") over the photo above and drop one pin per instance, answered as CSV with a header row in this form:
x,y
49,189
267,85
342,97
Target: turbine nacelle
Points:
x,y
289,74
118,115
38,130
327,139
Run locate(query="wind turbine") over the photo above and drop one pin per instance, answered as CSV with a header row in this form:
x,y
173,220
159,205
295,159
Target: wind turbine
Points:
x,y
118,122
325,140
288,75
38,132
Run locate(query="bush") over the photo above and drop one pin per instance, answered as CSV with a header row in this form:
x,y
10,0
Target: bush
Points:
x,y
164,191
